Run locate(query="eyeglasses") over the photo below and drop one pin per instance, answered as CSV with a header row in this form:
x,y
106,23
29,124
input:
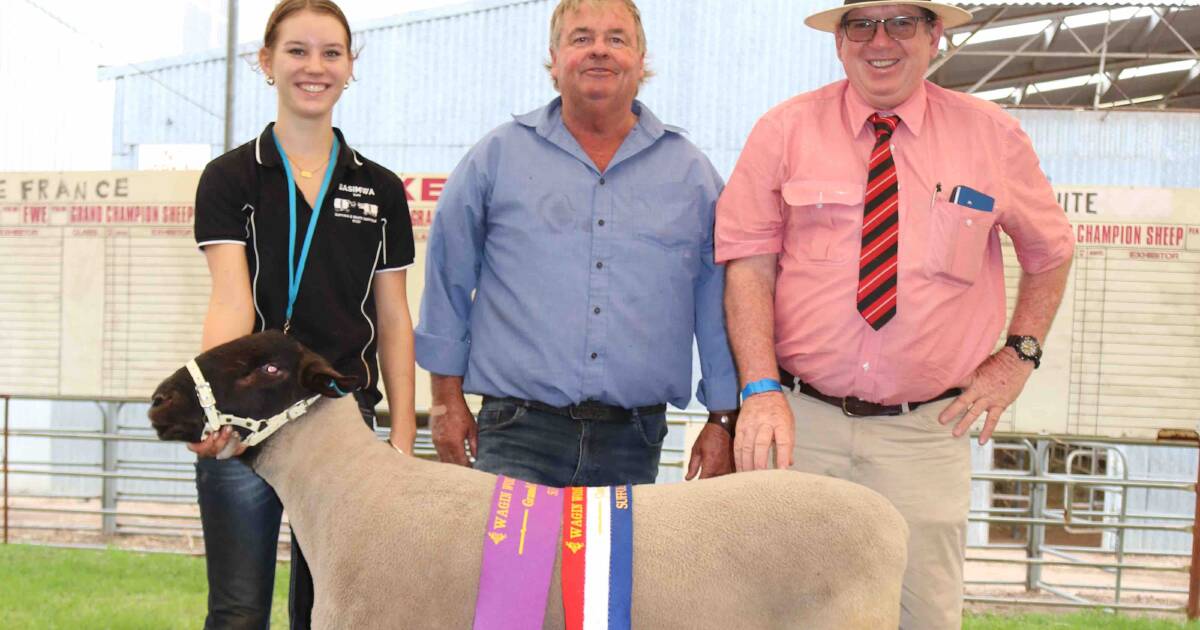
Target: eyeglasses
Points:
x,y
900,27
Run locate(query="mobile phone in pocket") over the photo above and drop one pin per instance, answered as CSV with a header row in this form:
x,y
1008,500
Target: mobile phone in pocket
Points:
x,y
971,198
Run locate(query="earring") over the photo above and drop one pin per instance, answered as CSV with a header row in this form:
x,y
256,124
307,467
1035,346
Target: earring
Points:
x,y
347,86
270,80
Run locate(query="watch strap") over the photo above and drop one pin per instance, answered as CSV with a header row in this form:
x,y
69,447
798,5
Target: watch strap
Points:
x,y
727,421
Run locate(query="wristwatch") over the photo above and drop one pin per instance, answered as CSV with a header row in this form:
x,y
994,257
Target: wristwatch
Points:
x,y
727,421
1028,348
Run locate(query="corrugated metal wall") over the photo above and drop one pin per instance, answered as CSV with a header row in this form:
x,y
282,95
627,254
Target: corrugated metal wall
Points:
x,y
1116,148
1165,463
432,83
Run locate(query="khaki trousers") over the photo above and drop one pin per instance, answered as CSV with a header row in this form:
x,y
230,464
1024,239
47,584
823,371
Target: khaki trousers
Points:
x,y
923,470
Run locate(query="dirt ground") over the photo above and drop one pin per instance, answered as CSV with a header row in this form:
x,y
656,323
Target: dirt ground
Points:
x,y
1169,573
166,527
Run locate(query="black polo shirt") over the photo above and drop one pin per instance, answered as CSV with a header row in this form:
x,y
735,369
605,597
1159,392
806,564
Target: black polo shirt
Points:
x,y
363,229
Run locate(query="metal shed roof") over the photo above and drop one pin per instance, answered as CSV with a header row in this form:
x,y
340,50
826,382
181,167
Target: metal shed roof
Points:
x,y
1097,55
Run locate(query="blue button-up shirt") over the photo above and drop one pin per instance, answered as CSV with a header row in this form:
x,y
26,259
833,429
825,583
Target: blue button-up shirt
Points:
x,y
548,280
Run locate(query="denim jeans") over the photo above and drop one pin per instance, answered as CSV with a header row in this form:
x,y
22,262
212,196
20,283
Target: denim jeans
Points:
x,y
553,450
240,515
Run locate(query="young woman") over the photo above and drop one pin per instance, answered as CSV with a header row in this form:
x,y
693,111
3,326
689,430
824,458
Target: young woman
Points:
x,y
304,235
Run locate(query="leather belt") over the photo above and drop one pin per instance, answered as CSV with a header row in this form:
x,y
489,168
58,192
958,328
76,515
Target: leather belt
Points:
x,y
586,410
856,407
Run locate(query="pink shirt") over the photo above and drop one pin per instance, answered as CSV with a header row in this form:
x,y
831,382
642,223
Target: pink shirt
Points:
x,y
797,191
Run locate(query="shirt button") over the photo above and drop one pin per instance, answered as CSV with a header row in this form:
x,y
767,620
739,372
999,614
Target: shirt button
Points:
x,y
969,222
601,181
600,223
594,355
866,366
599,265
596,310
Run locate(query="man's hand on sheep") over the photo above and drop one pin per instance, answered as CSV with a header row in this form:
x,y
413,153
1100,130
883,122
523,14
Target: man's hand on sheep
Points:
x,y
222,445
712,454
765,421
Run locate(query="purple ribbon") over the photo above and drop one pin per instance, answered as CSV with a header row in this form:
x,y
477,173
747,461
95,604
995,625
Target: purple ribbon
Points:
x,y
519,545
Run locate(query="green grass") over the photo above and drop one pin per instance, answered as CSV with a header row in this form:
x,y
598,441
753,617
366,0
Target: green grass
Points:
x,y
47,589
1074,620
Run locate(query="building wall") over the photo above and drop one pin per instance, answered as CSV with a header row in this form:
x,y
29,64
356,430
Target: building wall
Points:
x,y
432,83
1148,149
1165,463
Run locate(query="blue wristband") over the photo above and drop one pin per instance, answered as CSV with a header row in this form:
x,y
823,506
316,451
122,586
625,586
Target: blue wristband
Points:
x,y
760,386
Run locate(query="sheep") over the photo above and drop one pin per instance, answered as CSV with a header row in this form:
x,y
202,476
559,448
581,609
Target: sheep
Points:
x,y
396,542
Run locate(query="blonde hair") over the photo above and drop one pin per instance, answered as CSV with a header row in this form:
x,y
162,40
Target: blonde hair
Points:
x,y
570,6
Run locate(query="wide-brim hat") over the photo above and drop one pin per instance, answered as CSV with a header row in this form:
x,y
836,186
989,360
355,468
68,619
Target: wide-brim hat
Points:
x,y
830,20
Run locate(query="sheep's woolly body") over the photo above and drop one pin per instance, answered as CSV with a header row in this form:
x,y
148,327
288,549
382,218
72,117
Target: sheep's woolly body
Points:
x,y
396,542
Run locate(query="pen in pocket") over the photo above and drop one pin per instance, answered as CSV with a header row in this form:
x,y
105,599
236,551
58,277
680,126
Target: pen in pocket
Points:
x,y
933,198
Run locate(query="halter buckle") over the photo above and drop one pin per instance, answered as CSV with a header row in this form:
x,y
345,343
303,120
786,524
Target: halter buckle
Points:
x,y
297,410
205,396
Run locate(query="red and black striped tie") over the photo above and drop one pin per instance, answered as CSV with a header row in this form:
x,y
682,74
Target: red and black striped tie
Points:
x,y
877,262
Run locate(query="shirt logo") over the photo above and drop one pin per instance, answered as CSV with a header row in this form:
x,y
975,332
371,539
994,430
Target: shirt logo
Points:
x,y
356,191
356,211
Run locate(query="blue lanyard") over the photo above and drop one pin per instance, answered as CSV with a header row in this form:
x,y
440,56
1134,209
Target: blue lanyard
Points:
x,y
296,269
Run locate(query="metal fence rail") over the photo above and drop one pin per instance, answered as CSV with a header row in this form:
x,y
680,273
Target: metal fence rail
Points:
x,y
1086,488
111,469
1078,494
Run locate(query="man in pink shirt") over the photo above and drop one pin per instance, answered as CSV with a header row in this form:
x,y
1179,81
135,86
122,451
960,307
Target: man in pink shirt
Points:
x,y
865,288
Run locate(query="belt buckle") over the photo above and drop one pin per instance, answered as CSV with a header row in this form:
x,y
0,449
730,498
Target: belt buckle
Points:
x,y
846,409
582,412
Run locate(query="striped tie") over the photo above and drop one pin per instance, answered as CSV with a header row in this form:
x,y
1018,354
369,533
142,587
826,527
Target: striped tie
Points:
x,y
881,230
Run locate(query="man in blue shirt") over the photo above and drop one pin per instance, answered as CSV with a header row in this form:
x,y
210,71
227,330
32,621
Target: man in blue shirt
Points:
x,y
569,266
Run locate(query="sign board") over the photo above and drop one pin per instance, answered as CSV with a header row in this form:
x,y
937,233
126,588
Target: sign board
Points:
x,y
104,294
1123,357
102,289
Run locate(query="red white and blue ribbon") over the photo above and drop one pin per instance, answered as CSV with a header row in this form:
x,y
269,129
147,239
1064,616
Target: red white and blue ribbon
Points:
x,y
518,556
597,558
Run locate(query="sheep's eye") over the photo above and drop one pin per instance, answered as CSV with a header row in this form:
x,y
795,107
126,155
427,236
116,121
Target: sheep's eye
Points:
x,y
270,368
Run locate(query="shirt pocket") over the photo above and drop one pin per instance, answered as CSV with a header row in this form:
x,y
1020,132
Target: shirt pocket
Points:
x,y
820,214
958,239
668,215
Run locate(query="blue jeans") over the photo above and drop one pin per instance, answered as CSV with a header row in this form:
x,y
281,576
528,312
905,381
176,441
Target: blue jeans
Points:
x,y
553,450
240,514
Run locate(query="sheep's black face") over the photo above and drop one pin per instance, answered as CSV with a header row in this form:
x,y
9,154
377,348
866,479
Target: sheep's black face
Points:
x,y
256,376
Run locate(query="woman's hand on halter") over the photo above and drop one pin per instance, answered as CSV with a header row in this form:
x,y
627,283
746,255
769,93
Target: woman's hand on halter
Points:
x,y
220,445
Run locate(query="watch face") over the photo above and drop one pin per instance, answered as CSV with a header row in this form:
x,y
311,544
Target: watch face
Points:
x,y
1027,347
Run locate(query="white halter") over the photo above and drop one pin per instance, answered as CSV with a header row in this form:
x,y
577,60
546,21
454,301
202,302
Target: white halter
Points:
x,y
259,429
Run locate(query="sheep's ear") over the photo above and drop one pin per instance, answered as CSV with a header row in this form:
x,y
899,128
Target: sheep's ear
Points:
x,y
317,376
